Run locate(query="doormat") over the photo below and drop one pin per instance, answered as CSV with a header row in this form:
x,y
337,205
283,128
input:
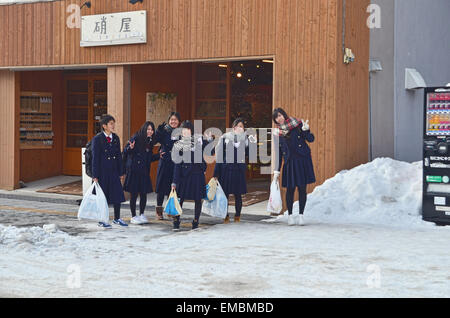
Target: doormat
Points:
x,y
251,198
73,188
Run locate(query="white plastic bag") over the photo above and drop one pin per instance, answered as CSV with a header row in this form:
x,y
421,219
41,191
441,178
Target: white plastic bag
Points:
x,y
275,205
217,207
94,206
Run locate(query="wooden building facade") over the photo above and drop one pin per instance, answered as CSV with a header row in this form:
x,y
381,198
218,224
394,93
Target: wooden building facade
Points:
x,y
304,38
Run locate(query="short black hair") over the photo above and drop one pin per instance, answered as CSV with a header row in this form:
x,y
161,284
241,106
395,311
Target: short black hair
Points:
x,y
237,121
176,114
188,125
105,119
278,111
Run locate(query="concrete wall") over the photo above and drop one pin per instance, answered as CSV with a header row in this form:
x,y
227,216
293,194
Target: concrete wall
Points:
x,y
422,42
414,34
382,83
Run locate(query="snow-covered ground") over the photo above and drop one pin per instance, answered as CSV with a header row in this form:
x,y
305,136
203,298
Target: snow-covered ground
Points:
x,y
381,192
364,238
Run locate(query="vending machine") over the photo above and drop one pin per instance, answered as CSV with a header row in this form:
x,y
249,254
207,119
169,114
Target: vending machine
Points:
x,y
436,156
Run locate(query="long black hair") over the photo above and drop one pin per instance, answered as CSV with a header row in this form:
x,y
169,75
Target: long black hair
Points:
x,y
278,111
141,135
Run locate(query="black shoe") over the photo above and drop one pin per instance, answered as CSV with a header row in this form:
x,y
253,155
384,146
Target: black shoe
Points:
x,y
194,225
176,225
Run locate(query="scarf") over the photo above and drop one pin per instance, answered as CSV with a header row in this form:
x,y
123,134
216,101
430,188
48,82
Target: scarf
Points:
x,y
289,124
168,128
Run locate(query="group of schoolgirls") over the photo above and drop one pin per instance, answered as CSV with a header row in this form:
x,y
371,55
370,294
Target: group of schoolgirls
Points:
x,y
129,171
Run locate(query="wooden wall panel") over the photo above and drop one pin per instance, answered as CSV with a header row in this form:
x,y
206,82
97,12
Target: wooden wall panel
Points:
x,y
9,134
305,80
352,121
165,78
176,30
39,164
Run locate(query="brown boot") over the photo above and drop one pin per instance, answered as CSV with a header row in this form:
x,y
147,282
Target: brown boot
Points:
x,y
237,219
159,213
226,220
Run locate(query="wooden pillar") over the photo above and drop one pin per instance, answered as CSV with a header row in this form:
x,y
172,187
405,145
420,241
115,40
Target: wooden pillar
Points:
x,y
119,96
9,129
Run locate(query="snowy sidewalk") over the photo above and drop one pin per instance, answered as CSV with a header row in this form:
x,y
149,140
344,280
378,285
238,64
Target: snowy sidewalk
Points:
x,y
364,238
251,259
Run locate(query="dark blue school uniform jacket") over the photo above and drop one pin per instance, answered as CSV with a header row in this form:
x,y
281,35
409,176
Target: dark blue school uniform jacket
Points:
x,y
231,175
107,167
166,166
137,166
189,177
298,168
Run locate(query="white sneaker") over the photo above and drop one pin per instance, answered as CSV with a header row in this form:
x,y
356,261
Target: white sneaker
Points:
x,y
136,220
291,220
143,219
299,220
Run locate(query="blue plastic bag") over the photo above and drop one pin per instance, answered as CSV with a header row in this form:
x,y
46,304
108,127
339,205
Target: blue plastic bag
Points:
x,y
173,207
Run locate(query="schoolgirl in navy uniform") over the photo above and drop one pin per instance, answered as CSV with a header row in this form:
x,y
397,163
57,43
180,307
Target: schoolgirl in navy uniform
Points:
x,y
107,166
232,149
189,176
166,166
138,156
298,170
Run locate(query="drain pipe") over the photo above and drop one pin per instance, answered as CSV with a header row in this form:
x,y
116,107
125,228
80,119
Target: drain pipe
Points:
x,y
343,24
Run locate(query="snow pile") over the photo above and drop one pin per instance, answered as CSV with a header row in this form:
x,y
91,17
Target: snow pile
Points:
x,y
384,191
46,236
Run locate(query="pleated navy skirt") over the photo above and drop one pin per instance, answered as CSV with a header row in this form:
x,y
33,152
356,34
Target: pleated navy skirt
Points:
x,y
232,180
192,187
136,182
164,176
298,171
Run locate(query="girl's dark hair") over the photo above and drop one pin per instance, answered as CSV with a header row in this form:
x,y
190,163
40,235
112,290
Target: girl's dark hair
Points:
x,y
278,111
141,135
237,121
188,125
105,119
177,115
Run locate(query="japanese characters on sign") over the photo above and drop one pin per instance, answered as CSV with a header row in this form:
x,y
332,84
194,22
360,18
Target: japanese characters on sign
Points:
x,y
114,28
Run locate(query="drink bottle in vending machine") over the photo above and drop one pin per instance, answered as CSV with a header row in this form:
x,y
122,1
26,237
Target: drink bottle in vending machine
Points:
x,y
436,156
